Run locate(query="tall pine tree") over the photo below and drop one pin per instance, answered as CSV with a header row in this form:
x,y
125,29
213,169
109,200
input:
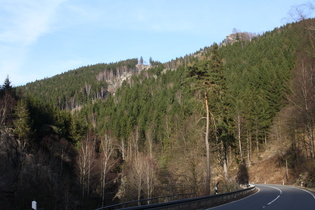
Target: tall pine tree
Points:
x,y
208,78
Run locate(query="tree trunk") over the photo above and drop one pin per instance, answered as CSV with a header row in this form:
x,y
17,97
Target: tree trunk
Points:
x,y
257,141
226,175
208,176
103,181
123,148
249,149
310,144
312,138
239,136
286,170
107,150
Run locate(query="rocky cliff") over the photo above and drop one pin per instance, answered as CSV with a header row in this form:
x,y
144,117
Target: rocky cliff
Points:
x,y
115,77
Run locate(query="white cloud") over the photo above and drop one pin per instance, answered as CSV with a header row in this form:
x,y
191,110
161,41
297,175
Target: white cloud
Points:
x,y
26,20
22,23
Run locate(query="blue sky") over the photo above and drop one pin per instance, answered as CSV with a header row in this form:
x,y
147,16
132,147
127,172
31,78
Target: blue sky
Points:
x,y
42,38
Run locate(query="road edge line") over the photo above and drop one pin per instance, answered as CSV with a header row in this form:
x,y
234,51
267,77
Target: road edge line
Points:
x,y
258,190
305,191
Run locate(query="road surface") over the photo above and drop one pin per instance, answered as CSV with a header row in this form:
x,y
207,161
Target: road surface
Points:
x,y
274,197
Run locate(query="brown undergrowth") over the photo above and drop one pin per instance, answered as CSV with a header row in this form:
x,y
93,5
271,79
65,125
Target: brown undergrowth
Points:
x,y
282,165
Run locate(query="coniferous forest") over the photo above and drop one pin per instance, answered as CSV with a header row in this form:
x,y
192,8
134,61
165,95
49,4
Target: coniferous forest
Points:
x,y
110,133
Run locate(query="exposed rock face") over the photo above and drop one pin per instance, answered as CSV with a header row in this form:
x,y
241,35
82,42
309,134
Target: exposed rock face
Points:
x,y
115,77
236,37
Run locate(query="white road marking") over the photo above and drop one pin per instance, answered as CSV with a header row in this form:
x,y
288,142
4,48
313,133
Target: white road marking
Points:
x,y
305,191
281,193
273,200
276,189
276,197
258,190
265,206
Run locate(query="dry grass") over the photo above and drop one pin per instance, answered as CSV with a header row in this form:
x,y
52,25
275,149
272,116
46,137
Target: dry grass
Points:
x,y
270,167
266,168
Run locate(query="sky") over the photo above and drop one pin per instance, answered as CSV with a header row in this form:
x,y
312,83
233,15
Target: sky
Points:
x,y
42,38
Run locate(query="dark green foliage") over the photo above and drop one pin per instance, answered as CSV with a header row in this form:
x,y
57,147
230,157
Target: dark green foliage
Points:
x,y
41,119
256,76
6,87
247,79
142,105
74,88
22,122
37,153
210,78
8,99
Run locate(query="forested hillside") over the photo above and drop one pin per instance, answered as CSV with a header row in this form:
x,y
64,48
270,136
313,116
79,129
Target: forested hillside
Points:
x,y
74,88
109,133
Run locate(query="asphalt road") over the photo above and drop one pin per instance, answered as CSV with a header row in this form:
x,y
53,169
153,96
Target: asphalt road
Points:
x,y
274,197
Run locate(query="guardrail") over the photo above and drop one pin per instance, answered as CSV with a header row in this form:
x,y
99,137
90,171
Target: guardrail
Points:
x,y
192,203
143,202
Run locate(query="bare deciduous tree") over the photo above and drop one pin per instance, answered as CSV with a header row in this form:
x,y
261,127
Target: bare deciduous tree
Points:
x,y
300,12
140,178
150,171
107,149
303,97
85,163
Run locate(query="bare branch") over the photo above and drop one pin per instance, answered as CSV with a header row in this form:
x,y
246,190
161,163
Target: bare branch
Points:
x,y
300,12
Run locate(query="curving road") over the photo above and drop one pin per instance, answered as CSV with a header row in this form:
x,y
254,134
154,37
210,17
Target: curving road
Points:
x,y
274,197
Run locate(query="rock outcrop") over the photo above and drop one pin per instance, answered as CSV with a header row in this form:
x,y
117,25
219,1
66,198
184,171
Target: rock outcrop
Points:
x,y
115,77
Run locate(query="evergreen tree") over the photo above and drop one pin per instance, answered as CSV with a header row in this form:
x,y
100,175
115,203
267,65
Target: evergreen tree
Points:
x,y
6,87
209,79
22,122
141,60
8,99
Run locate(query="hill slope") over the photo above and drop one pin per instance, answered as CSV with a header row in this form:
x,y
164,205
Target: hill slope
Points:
x,y
151,137
77,87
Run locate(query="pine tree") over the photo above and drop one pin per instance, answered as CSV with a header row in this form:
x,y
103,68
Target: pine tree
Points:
x,y
22,123
8,99
208,78
141,60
